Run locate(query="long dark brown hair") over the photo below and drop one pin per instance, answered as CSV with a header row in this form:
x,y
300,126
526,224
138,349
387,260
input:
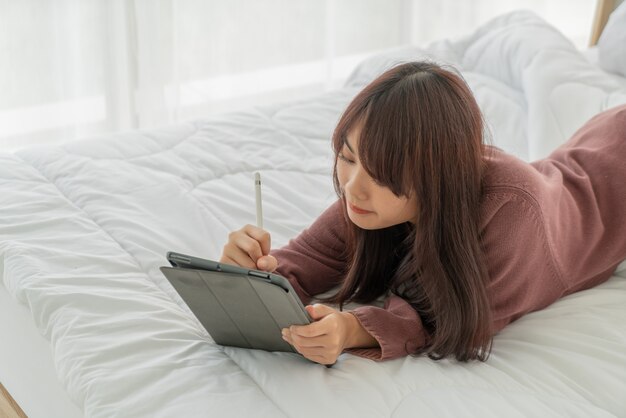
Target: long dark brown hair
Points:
x,y
422,135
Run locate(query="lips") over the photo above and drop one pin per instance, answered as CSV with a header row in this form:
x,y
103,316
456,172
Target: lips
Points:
x,y
358,210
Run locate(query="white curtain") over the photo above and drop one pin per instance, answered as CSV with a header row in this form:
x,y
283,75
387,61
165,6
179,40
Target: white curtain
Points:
x,y
76,68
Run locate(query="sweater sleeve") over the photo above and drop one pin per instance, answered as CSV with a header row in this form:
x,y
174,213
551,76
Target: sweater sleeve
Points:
x,y
314,261
396,327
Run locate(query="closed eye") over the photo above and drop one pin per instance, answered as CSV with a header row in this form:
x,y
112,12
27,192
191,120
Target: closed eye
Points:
x,y
342,157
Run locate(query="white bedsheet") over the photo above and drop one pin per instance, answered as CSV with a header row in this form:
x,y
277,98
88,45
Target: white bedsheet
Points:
x,y
84,228
26,367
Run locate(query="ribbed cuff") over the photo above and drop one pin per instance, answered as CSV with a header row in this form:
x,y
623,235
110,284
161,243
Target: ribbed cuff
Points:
x,y
397,333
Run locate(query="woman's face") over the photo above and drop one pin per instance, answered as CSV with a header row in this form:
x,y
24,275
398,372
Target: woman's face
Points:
x,y
369,205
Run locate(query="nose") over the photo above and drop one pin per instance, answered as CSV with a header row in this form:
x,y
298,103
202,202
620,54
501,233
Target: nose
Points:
x,y
357,184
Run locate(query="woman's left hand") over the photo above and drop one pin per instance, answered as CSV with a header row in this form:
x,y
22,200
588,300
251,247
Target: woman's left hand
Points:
x,y
323,340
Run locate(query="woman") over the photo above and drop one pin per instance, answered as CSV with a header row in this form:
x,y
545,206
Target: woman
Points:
x,y
458,236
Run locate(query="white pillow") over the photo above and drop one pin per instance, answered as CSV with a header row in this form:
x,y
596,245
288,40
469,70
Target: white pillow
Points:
x,y
621,269
612,43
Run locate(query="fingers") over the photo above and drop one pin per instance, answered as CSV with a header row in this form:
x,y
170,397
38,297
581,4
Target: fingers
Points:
x,y
315,329
309,336
304,342
319,311
322,349
235,255
261,236
246,246
321,341
320,359
267,263
320,356
228,260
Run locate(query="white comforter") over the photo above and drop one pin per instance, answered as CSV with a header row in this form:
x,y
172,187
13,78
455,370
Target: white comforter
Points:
x,y
84,228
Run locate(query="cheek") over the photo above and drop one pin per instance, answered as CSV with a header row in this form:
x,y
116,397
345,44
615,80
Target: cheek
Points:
x,y
409,211
398,209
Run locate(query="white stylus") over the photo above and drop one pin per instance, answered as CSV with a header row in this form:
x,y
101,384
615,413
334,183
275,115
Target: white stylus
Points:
x,y
259,206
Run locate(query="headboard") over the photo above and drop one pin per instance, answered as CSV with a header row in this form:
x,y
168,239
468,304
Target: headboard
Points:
x,y
603,10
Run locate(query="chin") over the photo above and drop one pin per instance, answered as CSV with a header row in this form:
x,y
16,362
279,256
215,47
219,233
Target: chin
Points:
x,y
364,225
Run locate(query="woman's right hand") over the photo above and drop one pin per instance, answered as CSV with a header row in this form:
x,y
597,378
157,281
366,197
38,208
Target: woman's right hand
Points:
x,y
249,247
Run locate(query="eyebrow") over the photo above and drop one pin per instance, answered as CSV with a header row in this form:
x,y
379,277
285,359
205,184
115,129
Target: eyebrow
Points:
x,y
345,141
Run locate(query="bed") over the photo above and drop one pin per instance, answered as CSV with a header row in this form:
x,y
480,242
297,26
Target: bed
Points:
x,y
90,327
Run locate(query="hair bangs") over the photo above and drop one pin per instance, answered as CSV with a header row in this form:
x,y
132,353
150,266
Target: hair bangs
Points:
x,y
383,150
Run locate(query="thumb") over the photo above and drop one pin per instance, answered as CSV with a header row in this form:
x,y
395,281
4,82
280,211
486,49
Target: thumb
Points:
x,y
319,311
267,263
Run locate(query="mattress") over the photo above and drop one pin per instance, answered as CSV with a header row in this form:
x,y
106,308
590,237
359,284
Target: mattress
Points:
x,y
26,365
85,227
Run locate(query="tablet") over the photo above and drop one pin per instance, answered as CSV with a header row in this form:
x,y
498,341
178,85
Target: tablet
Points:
x,y
237,306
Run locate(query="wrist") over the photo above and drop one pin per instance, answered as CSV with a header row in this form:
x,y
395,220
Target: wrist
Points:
x,y
356,335
351,326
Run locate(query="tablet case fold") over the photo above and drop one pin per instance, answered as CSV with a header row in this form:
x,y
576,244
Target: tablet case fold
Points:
x,y
236,309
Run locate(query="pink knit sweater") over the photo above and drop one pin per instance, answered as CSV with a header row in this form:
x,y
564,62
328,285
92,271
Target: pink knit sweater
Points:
x,y
548,228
